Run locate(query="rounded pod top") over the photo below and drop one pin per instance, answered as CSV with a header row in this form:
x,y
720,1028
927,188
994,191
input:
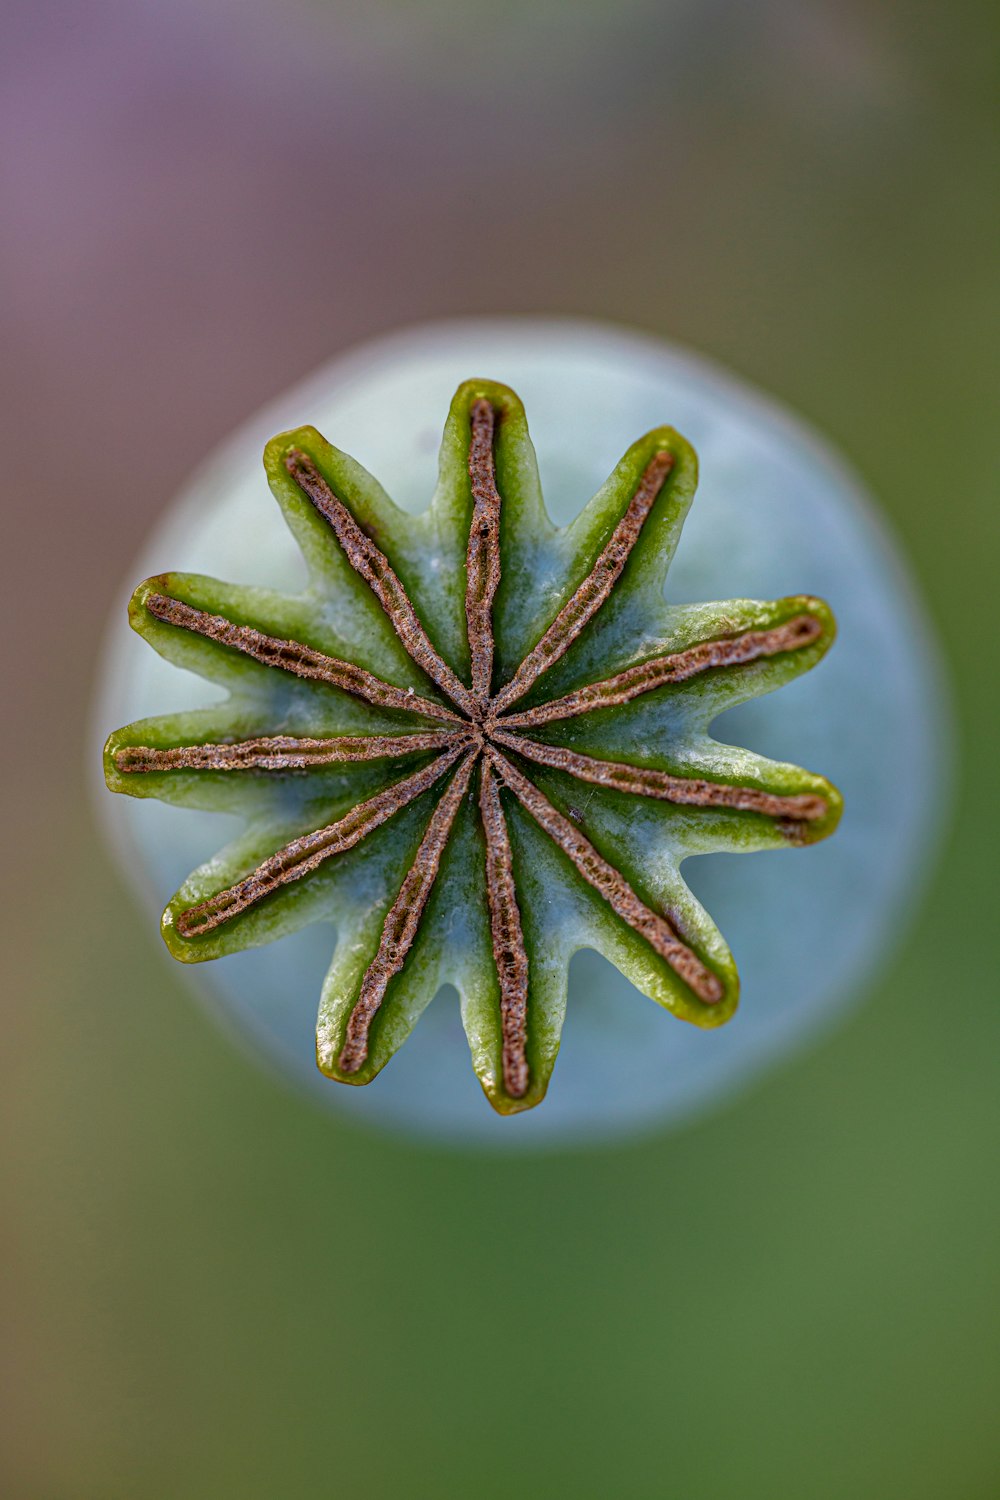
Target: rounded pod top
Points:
x,y
482,732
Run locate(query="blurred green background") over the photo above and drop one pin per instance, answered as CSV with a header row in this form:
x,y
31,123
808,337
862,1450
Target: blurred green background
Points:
x,y
211,1289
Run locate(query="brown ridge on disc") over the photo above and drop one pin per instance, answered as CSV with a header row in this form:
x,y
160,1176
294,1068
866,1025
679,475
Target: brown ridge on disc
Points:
x,y
508,939
677,667
294,657
483,554
371,564
403,920
282,752
304,854
611,884
642,781
595,588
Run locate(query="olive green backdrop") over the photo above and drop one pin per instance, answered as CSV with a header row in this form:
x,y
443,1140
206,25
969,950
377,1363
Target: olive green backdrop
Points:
x,y
212,1289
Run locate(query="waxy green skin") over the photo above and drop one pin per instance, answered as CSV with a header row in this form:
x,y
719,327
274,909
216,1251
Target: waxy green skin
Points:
x,y
667,729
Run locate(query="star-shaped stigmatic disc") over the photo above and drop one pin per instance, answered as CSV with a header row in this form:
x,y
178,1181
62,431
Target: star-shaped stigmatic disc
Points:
x,y
476,744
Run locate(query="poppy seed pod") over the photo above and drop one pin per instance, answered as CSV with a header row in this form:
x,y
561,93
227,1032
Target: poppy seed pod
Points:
x,y
483,732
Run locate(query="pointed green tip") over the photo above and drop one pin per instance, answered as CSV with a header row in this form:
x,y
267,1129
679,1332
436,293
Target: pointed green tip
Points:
x,y
669,440
113,777
815,830
480,389
506,1104
277,448
138,614
183,949
809,604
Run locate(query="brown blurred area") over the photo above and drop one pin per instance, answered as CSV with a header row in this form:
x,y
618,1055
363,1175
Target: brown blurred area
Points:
x,y
200,203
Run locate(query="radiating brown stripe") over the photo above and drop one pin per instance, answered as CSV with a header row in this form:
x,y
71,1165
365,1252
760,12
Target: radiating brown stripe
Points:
x,y
677,667
482,564
641,781
282,752
594,589
403,920
371,564
307,853
612,885
508,940
292,656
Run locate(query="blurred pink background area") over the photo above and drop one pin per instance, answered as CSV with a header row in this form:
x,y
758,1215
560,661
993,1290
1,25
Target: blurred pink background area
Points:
x,y
212,1289
203,201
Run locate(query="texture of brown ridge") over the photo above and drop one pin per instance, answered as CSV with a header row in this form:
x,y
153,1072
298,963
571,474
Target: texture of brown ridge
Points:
x,y
294,657
677,667
483,555
610,884
595,588
403,920
508,939
371,564
481,733
283,752
641,781
303,855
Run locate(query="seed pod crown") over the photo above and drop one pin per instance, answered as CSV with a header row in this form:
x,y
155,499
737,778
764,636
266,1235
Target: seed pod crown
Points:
x,y
476,743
